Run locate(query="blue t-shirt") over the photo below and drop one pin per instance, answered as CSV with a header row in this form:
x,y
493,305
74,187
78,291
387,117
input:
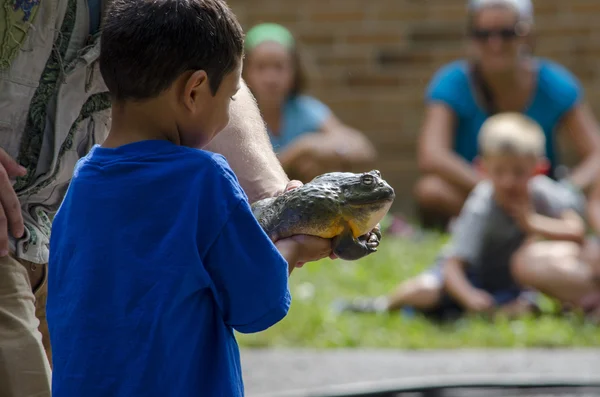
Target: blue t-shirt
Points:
x,y
557,91
301,114
155,259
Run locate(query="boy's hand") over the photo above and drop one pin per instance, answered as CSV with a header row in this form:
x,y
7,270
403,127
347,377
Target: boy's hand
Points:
x,y
479,301
311,248
521,210
299,249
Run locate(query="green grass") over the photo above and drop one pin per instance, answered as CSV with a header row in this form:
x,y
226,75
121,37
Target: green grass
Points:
x,y
312,323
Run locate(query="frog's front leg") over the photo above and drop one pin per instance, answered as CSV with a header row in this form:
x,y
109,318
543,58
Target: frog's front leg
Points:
x,y
347,247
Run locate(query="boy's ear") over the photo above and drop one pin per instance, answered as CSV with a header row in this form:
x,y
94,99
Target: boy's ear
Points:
x,y
542,166
195,88
479,165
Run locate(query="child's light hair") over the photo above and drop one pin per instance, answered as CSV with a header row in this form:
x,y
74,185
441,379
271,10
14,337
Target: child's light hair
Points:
x,y
511,134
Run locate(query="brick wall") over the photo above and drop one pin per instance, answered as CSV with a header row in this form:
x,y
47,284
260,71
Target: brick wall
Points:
x,y
370,60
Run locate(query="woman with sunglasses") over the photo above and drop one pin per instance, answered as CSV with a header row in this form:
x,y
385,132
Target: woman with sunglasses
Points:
x,y
500,74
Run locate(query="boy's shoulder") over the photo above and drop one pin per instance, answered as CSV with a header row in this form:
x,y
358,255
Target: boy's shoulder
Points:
x,y
162,159
481,196
217,165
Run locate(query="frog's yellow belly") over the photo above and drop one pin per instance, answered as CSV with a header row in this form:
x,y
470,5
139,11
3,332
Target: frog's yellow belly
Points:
x,y
363,225
329,230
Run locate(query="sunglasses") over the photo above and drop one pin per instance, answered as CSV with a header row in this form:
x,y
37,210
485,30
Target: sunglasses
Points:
x,y
486,34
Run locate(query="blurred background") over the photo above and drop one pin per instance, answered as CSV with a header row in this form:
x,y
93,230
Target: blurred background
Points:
x,y
370,61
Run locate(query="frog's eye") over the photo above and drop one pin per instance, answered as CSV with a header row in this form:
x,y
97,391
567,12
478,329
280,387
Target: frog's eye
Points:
x,y
367,179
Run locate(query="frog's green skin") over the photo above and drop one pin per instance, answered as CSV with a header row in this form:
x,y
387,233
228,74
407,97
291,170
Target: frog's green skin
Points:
x,y
340,205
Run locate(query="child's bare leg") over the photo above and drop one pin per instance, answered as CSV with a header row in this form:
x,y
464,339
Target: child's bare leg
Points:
x,y
554,268
591,255
422,292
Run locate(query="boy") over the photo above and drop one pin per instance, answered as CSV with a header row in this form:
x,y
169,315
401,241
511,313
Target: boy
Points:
x,y
474,272
155,254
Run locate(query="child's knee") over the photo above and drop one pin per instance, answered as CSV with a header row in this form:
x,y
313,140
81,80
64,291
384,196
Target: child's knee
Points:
x,y
524,262
424,290
531,261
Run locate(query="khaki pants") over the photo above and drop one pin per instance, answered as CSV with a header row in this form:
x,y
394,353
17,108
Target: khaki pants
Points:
x,y
24,339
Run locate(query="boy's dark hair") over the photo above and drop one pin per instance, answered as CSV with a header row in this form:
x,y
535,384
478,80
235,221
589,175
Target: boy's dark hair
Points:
x,y
147,44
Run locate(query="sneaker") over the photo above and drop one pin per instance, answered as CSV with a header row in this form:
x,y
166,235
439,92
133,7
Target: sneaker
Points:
x,y
362,305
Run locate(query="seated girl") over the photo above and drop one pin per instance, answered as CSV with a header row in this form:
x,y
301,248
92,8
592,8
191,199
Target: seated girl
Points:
x,y
308,138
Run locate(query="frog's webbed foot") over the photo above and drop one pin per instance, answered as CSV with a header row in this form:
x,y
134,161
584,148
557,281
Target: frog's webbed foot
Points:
x,y
347,247
371,239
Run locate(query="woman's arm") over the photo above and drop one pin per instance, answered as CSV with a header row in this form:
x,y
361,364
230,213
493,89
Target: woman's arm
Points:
x,y
344,144
582,128
333,147
435,154
246,145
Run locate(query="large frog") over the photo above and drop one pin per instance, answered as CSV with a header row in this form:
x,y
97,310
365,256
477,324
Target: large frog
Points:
x,y
346,207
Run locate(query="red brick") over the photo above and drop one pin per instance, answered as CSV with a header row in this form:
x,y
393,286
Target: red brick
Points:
x,y
374,38
402,14
362,79
338,16
308,39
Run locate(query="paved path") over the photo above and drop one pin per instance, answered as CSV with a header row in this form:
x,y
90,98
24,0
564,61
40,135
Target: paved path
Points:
x,y
292,372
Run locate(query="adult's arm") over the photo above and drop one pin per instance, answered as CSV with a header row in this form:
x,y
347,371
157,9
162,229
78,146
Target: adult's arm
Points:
x,y
435,154
582,127
246,146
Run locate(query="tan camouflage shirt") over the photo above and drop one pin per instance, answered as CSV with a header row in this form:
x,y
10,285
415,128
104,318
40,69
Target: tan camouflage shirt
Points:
x,y
53,105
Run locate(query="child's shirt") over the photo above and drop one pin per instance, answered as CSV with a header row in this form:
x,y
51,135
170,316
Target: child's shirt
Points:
x,y
302,114
485,237
156,258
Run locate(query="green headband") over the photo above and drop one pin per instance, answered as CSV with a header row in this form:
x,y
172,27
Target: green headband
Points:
x,y
269,32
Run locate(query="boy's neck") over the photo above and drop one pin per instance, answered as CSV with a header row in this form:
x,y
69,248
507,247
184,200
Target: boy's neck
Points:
x,y
134,122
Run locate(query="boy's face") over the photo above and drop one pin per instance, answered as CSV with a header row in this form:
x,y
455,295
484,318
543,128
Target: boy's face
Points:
x,y
510,175
204,115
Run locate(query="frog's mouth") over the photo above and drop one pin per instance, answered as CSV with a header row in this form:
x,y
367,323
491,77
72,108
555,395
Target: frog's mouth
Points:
x,y
382,197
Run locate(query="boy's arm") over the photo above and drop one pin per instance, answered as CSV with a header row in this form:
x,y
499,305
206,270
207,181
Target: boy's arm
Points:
x,y
246,145
461,289
569,227
555,213
465,248
246,272
248,275
455,280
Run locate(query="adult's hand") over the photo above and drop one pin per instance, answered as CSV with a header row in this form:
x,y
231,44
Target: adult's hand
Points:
x,y
10,210
293,184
